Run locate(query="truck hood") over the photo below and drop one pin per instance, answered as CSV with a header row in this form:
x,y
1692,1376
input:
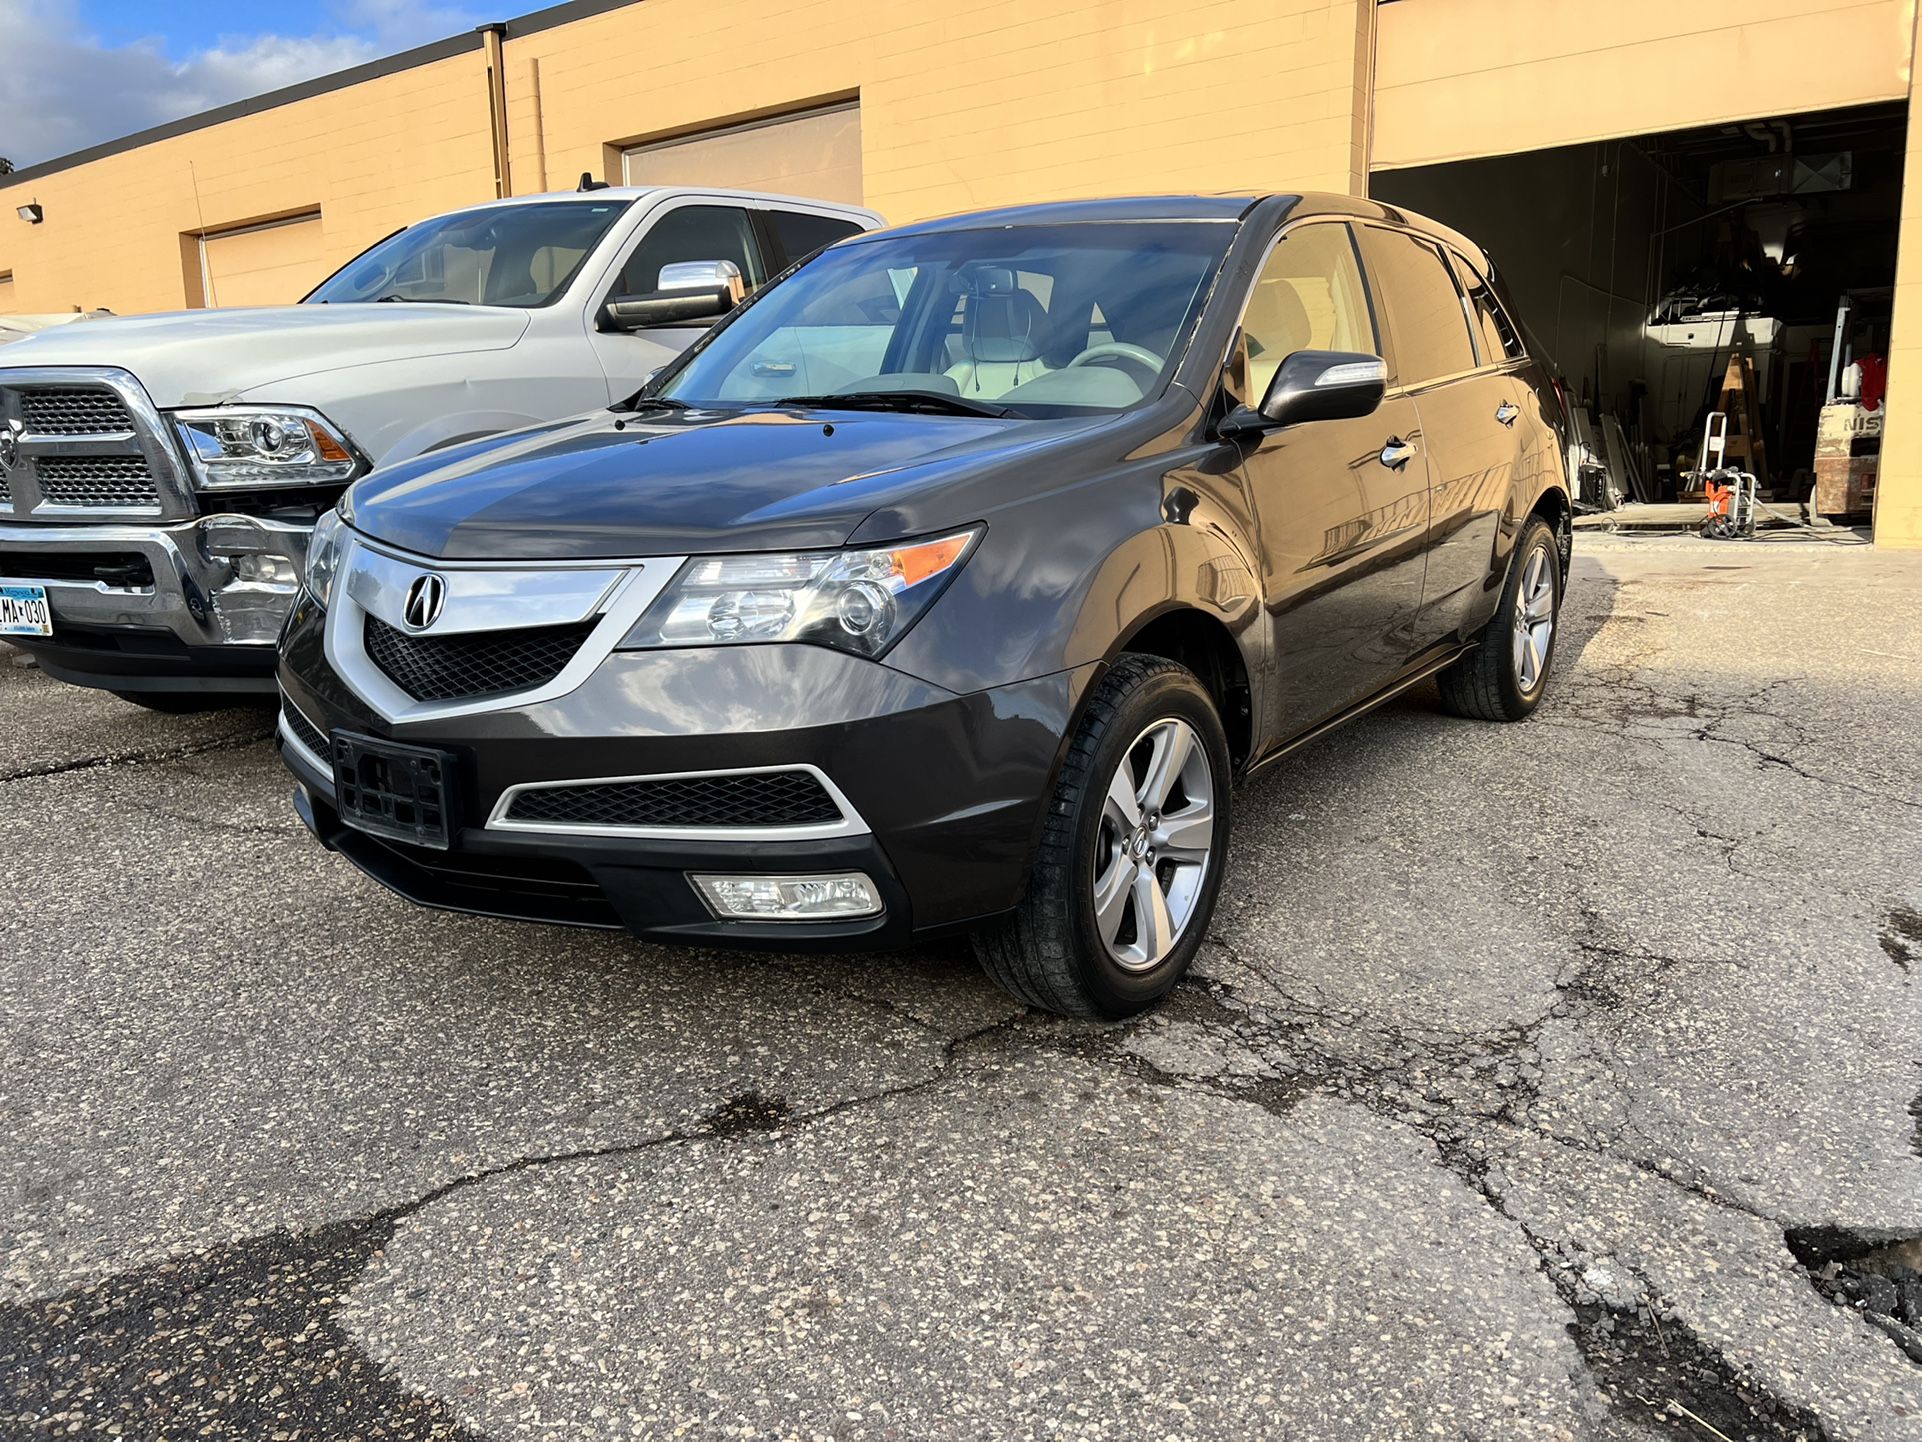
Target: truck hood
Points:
x,y
688,485
203,357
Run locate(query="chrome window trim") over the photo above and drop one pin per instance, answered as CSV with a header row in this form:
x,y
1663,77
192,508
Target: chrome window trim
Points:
x,y
850,823
622,602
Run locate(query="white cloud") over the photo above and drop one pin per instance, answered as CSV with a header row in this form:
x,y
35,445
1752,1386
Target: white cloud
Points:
x,y
61,89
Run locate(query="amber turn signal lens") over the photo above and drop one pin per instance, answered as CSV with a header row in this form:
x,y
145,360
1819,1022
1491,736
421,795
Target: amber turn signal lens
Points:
x,y
914,564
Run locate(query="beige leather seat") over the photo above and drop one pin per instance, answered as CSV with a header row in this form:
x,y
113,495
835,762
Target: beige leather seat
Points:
x,y
1000,344
1277,325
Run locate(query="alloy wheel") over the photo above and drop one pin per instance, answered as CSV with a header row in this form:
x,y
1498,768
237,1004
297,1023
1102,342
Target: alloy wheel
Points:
x,y
1154,845
1534,620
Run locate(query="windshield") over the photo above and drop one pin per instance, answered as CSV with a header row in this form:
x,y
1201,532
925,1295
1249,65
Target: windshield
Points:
x,y
1030,320
519,255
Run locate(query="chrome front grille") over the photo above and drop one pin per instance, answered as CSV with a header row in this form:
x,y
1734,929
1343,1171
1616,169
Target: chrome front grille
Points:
x,y
85,443
73,411
112,482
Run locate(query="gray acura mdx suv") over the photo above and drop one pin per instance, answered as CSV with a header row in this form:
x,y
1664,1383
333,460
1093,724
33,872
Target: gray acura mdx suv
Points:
x,y
949,584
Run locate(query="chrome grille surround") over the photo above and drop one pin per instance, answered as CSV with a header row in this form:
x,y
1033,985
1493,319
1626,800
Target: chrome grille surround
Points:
x,y
542,807
304,734
485,602
87,444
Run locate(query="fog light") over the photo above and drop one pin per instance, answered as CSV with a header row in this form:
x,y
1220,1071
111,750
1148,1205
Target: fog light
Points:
x,y
265,569
789,898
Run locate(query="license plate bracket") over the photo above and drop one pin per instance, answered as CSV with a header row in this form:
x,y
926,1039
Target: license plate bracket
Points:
x,y
24,610
404,793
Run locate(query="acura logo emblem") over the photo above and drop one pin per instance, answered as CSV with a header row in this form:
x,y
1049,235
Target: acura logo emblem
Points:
x,y
425,600
9,445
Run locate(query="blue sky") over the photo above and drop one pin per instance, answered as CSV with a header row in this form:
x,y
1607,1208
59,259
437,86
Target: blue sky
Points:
x,y
78,72
185,26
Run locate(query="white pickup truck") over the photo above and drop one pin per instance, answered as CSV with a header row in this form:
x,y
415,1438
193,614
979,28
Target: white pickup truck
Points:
x,y
159,475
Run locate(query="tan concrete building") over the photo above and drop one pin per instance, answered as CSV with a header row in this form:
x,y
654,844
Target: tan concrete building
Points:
x,y
1499,116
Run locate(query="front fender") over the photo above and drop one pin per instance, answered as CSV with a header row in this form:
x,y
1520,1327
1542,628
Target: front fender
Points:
x,y
1063,579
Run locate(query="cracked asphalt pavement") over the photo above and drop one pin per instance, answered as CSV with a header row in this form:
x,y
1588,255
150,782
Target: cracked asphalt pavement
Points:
x,y
1560,1080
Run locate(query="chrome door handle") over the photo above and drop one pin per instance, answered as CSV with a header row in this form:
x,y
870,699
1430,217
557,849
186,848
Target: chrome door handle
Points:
x,y
1506,413
1397,453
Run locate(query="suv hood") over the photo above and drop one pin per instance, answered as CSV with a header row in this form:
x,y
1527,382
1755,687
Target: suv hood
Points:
x,y
689,485
204,357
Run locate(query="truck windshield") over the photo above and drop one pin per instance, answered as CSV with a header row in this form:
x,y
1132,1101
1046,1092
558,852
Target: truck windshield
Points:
x,y
518,255
1024,320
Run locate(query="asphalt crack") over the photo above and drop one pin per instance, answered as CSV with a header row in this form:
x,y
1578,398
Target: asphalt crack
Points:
x,y
162,756
242,1342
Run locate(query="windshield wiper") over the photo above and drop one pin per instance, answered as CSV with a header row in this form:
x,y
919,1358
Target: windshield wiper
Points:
x,y
422,300
927,402
650,403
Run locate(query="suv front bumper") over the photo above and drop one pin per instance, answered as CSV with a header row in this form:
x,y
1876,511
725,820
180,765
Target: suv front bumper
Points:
x,y
172,608
948,790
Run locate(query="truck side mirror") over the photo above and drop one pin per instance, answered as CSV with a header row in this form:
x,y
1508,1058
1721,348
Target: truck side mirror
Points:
x,y
1313,385
688,292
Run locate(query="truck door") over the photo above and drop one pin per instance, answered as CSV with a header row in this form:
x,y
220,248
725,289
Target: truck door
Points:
x,y
688,230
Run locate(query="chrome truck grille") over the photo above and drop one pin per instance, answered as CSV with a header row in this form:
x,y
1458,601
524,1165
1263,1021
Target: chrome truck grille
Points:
x,y
85,444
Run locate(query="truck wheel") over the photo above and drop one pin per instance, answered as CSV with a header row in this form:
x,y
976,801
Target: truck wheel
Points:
x,y
186,703
1130,862
1504,677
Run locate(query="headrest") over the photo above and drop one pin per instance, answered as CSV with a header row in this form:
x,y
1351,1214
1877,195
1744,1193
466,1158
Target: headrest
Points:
x,y
1002,326
1278,320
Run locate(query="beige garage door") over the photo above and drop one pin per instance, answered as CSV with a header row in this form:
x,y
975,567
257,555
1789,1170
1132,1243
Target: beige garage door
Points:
x,y
6,292
1461,78
272,264
817,153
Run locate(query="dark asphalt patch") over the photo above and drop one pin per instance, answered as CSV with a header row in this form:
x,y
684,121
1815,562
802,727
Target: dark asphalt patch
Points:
x,y
1662,1378
1903,940
235,1342
748,1113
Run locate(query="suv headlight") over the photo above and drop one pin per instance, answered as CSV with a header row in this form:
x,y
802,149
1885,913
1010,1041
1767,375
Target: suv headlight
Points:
x,y
241,447
859,601
324,548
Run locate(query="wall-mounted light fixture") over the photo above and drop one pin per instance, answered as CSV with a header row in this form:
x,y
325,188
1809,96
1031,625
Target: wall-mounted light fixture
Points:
x,y
33,213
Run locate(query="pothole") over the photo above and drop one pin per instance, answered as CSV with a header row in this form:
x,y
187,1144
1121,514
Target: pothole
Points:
x,y
1661,1377
1879,1280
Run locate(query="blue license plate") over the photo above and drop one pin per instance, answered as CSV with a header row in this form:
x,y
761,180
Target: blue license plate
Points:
x,y
23,610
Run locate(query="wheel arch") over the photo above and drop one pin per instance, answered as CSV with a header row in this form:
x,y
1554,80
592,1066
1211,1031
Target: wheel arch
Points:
x,y
1201,641
1554,507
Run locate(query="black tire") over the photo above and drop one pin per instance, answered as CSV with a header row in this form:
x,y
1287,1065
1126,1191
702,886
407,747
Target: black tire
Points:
x,y
187,703
1049,952
1485,684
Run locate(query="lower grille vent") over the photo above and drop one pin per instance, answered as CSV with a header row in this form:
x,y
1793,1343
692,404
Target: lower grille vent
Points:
x,y
305,732
739,799
461,668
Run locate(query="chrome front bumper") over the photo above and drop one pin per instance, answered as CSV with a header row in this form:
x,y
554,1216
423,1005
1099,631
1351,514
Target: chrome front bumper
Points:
x,y
201,591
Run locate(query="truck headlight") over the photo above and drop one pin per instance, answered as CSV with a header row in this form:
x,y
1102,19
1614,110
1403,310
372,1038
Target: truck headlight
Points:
x,y
323,557
243,447
859,601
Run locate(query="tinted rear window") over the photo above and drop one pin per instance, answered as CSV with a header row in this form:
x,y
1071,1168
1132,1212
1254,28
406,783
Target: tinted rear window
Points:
x,y
801,235
1425,314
